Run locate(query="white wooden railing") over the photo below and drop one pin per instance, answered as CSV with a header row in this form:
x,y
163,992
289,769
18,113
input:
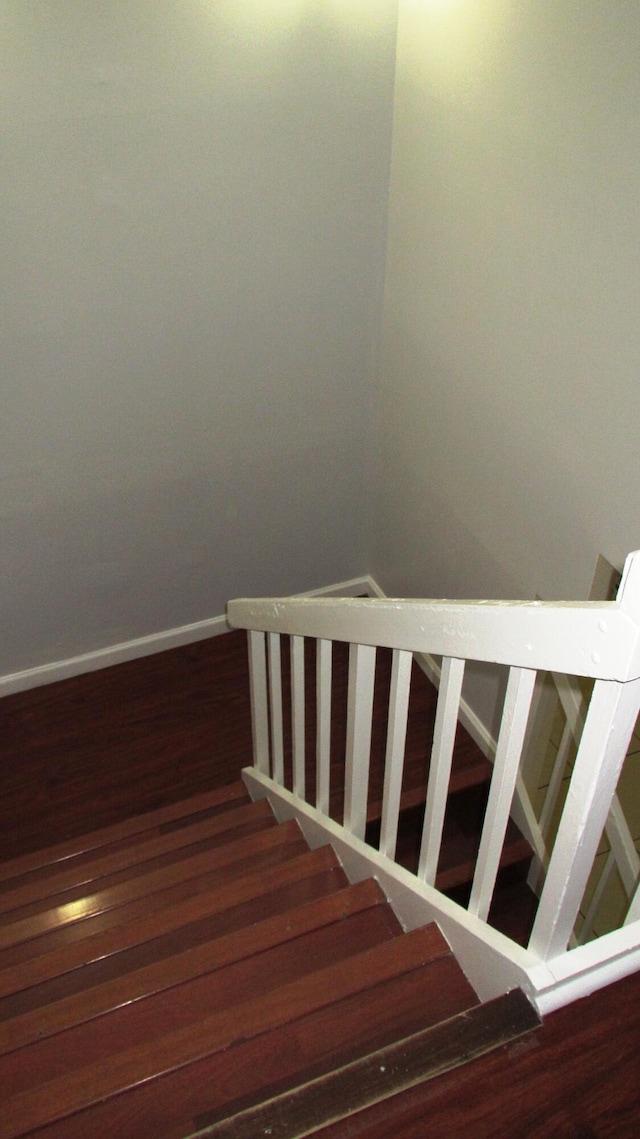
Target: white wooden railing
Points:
x,y
571,705
599,640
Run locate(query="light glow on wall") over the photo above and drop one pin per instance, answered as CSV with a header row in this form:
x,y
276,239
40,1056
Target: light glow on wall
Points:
x,y
283,17
454,44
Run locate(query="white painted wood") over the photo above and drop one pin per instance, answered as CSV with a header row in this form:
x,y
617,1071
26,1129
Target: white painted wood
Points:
x,y
478,731
158,642
617,828
596,639
362,663
355,587
492,963
112,654
275,706
298,715
573,702
586,929
551,976
444,735
587,968
323,724
515,717
629,589
394,757
259,701
612,714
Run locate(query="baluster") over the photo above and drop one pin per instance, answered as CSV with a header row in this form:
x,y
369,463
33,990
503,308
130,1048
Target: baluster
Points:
x,y
323,724
444,735
610,722
259,701
394,756
362,663
505,773
297,714
275,704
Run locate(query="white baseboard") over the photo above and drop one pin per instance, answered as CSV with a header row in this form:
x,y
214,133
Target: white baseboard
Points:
x,y
113,654
356,586
212,627
155,643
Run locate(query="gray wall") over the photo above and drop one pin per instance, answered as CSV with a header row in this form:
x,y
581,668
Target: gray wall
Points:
x,y
510,385
193,197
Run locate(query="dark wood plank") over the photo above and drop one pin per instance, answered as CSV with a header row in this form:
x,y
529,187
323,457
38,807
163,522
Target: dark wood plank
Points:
x,y
121,979
97,872
575,1078
383,1073
220,910
96,749
122,834
135,1011
187,1045
48,931
127,739
299,1050
332,1038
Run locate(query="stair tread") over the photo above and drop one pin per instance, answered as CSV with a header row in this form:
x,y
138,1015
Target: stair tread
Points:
x,y
221,798
457,865
37,1017
177,995
113,1075
230,905
161,887
101,869
382,1073
186,1099
333,1036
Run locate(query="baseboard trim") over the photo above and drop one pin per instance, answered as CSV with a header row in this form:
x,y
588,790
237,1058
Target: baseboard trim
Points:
x,y
140,647
113,654
354,587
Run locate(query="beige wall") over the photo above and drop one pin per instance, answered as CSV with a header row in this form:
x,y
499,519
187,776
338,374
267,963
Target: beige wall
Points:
x,y
193,201
510,380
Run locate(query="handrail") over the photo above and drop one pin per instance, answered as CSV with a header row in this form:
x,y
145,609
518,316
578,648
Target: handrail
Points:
x,y
595,639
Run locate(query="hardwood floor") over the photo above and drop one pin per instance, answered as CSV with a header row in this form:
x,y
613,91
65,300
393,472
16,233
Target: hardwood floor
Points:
x,y
97,749
575,1078
90,751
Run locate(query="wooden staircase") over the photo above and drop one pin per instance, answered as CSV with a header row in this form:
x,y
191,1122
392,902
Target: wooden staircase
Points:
x,y
514,907
199,970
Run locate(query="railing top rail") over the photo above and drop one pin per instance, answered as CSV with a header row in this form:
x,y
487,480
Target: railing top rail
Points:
x,y
599,639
